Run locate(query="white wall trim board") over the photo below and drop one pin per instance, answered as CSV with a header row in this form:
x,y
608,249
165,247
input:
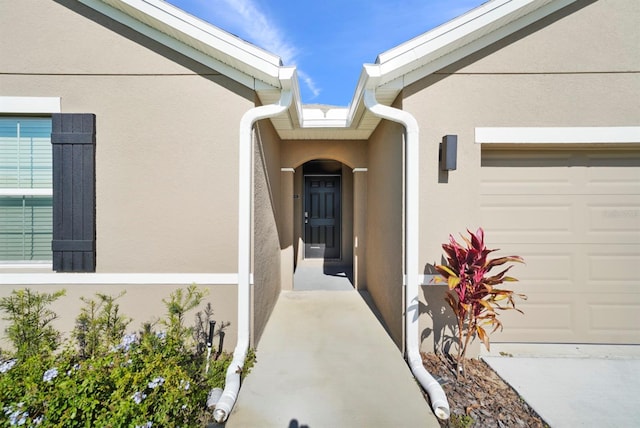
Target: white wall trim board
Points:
x,y
559,135
360,170
287,170
119,278
30,105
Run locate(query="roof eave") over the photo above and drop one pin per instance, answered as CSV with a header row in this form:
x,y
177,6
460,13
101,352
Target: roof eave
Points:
x,y
409,62
197,39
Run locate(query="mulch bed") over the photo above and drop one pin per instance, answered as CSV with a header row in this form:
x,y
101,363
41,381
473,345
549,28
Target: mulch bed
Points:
x,y
481,398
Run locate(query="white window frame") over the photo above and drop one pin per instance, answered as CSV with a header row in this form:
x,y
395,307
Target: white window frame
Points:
x,y
28,105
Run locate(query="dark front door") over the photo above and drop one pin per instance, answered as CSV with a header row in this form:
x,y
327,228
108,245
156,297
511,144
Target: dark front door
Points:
x,y
322,217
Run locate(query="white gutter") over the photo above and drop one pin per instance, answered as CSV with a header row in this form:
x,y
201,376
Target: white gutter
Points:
x,y
438,399
245,192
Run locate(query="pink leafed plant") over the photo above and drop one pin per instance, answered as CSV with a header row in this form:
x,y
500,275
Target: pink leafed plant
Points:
x,y
473,294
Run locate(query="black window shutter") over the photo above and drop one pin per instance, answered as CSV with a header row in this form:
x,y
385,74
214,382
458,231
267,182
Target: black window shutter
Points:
x,y
73,140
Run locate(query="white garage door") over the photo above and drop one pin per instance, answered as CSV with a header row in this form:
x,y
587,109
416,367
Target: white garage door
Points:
x,y
574,215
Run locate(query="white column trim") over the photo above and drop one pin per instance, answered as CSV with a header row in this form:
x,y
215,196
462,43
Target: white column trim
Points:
x,y
558,135
360,170
287,170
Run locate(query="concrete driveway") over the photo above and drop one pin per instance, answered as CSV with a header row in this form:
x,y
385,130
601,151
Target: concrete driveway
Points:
x,y
574,385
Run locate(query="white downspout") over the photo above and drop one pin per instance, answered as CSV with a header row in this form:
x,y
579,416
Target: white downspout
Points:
x,y
438,399
245,192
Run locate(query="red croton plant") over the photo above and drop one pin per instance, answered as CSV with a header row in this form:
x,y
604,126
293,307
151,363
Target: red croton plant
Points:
x,y
473,294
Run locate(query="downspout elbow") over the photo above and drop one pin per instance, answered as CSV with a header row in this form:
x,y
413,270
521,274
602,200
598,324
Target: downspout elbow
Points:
x,y
438,399
232,380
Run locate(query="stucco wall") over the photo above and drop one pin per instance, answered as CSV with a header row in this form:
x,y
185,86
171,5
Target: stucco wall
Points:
x,y
572,69
166,152
266,241
384,237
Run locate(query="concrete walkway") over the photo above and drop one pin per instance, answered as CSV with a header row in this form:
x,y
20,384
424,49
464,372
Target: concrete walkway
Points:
x,y
324,360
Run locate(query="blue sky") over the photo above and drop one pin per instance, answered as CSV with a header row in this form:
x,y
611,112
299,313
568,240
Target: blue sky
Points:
x,y
327,40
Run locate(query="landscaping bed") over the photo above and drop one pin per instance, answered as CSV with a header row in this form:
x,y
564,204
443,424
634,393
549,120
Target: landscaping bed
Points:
x,y
481,398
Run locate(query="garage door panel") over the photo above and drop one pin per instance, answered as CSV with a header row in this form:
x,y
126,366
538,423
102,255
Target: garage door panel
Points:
x,y
614,220
601,186
564,318
614,272
605,318
574,216
544,320
523,219
560,268
551,219
551,272
610,173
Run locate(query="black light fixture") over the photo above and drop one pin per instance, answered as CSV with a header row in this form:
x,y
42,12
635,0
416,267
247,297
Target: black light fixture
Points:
x,y
448,153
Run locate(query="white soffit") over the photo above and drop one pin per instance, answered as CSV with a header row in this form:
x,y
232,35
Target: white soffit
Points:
x,y
194,38
559,135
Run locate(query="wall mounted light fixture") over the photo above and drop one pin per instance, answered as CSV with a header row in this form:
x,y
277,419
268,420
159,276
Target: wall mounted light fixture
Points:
x,y
448,152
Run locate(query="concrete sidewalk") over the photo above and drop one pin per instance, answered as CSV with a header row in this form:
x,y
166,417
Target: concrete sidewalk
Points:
x,y
324,360
574,385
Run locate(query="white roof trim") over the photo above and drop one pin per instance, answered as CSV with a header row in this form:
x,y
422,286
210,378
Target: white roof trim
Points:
x,y
559,135
460,37
324,118
194,38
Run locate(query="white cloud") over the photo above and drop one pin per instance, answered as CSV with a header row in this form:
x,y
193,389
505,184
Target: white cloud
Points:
x,y
245,19
310,83
260,30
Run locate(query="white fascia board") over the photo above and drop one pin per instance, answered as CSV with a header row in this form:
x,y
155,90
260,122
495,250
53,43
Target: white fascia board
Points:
x,y
117,278
174,28
318,118
559,135
30,105
178,20
462,36
452,30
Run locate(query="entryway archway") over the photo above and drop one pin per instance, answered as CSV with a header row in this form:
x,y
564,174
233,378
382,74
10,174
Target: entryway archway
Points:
x,y
327,181
325,255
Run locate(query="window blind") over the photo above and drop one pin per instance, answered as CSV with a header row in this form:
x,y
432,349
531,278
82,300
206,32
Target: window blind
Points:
x,y
25,165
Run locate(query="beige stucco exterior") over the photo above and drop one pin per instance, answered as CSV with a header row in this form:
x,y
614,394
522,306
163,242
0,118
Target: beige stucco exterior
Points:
x,y
158,117
385,225
168,130
570,69
267,248
164,154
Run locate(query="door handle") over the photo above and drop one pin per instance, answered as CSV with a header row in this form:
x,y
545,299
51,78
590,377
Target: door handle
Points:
x,y
306,217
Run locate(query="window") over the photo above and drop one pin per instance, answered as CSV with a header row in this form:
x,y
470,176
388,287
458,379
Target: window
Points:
x,y
25,189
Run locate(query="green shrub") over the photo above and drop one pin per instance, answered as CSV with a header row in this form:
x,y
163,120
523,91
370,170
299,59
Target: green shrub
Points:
x,y
30,331
148,378
99,325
